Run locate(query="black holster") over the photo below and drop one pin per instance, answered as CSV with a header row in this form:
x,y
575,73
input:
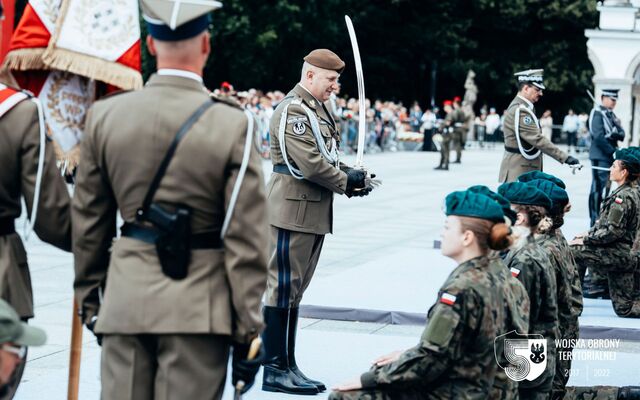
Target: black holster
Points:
x,y
173,243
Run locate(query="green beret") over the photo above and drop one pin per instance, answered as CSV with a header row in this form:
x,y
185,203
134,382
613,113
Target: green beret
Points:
x,y
521,193
630,159
504,203
476,205
559,197
325,59
531,175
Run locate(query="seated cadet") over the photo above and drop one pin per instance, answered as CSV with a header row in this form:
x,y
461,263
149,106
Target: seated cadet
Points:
x,y
569,289
516,299
606,247
15,336
531,264
455,356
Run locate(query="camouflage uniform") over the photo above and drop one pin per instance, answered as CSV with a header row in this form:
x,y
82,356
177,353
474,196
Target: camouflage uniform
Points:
x,y
459,132
455,356
517,309
607,248
569,302
592,393
530,264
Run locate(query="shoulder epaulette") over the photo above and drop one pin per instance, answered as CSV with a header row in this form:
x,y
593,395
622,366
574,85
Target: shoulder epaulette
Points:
x,y
227,100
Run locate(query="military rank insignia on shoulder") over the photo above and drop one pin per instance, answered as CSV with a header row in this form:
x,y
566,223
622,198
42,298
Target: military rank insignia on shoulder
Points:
x,y
514,272
448,299
527,120
618,200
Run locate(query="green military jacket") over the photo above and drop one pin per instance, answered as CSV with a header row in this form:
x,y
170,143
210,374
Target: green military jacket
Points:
x,y
517,309
618,219
569,292
303,205
455,356
523,152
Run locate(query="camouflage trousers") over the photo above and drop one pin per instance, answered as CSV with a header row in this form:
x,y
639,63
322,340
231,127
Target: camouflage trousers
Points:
x,y
445,149
563,360
378,395
457,143
591,393
620,269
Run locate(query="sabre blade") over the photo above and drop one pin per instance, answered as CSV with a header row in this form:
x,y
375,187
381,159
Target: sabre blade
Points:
x,y
362,120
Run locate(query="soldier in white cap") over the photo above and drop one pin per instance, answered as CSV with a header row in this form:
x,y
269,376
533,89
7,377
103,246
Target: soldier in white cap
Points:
x,y
524,143
183,284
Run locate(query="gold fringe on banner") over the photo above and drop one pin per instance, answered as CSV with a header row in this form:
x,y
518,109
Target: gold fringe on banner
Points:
x,y
25,59
91,67
85,65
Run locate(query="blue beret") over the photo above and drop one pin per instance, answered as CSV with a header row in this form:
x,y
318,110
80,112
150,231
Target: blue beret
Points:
x,y
531,175
521,193
559,197
504,203
476,205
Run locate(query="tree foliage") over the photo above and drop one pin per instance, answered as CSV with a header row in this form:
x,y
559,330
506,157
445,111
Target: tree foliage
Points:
x,y
258,43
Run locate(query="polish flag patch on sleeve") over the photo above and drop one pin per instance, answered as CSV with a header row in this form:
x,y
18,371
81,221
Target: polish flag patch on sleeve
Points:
x,y
618,200
514,272
448,299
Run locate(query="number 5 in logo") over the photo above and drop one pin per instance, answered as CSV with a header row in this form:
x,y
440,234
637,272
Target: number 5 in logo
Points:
x,y
521,356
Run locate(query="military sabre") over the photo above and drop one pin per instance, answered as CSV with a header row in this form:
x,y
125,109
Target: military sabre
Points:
x,y
362,120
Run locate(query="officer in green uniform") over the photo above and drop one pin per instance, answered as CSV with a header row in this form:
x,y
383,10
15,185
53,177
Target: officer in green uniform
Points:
x,y
447,134
606,247
524,143
530,263
306,173
455,355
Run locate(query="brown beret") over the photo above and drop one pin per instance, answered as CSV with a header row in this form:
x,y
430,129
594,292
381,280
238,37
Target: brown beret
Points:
x,y
325,59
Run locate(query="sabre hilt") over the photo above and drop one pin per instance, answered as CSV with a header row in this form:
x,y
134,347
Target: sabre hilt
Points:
x,y
575,168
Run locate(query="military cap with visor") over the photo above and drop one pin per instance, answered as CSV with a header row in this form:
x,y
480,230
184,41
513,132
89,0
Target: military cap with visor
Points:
x,y
611,93
531,77
475,205
13,330
174,20
523,194
325,59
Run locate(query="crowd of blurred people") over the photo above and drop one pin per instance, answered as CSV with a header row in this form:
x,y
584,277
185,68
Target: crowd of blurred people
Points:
x,y
389,122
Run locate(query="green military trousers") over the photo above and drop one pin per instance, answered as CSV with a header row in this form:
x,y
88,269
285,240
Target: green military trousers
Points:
x,y
292,263
620,268
164,367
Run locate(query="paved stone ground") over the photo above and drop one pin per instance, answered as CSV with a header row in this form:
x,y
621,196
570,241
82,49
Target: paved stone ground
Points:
x,y
393,227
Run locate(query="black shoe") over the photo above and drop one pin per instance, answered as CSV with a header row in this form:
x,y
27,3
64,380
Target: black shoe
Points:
x,y
457,162
629,393
277,375
291,351
439,167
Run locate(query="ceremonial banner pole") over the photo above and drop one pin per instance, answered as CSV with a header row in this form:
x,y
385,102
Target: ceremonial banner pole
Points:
x,y
362,120
76,353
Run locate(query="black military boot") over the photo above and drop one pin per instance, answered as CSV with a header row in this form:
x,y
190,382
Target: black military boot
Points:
x,y
291,351
277,376
629,393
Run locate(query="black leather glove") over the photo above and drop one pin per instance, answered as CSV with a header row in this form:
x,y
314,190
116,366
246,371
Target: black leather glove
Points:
x,y
355,179
91,325
243,369
571,160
